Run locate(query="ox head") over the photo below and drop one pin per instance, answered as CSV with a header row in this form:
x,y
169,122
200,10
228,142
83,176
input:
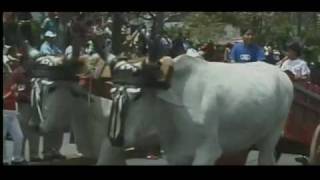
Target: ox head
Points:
x,y
132,95
54,94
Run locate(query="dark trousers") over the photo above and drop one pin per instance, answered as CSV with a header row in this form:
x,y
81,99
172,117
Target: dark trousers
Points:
x,y
26,33
25,114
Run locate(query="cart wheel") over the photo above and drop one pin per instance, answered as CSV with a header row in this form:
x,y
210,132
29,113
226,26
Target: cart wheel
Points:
x,y
315,148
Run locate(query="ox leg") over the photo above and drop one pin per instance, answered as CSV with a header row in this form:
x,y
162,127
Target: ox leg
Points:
x,y
266,158
267,148
207,153
110,155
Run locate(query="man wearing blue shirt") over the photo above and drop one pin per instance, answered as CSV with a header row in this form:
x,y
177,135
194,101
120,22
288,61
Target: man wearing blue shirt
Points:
x,y
48,47
52,142
247,51
50,23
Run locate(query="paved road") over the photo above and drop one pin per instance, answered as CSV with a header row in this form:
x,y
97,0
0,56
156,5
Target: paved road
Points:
x,y
70,151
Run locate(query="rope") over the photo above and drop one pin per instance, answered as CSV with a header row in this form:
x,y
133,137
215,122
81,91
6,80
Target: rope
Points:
x,y
36,91
90,91
38,85
120,96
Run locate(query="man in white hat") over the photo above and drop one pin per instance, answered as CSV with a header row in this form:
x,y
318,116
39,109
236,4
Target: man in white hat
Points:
x,y
49,47
11,56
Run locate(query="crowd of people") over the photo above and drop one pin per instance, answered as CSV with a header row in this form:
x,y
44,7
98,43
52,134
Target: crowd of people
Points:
x,y
19,46
248,51
18,34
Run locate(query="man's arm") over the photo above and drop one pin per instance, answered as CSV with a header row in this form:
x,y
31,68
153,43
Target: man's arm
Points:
x,y
11,89
233,54
7,95
45,50
305,72
44,24
260,55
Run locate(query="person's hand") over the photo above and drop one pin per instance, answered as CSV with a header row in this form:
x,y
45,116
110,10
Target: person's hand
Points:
x,y
285,58
14,87
301,77
7,95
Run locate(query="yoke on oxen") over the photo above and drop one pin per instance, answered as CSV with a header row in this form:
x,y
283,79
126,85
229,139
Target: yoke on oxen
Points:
x,y
121,82
47,73
98,77
144,74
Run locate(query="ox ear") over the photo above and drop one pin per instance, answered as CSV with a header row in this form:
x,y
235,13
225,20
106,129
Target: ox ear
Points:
x,y
166,68
185,86
177,78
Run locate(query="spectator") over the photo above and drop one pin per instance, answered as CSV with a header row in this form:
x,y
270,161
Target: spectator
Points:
x,y
50,23
108,28
21,78
247,51
10,120
294,64
166,44
227,52
52,141
269,55
48,47
98,27
178,46
10,29
208,51
24,22
12,57
193,53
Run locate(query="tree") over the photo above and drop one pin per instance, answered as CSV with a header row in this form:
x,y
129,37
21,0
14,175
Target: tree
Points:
x,y
275,28
203,27
116,33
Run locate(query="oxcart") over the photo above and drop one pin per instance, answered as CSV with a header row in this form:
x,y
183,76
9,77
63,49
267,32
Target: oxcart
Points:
x,y
302,130
301,133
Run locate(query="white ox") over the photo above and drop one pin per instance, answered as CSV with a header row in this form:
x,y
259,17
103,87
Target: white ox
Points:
x,y
211,109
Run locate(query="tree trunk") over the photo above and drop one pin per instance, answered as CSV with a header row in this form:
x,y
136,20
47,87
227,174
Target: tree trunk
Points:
x,y
116,33
155,43
299,23
318,21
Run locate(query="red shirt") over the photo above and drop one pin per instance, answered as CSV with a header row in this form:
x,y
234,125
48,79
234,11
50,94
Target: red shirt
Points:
x,y
23,84
9,103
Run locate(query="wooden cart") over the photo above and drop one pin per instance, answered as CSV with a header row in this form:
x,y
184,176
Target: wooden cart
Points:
x,y
302,130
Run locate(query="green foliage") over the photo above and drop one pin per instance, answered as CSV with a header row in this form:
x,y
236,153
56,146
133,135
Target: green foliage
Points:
x,y
203,27
36,31
273,28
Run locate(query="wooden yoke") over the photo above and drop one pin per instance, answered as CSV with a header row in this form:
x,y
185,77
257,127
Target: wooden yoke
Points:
x,y
158,74
94,65
166,69
94,74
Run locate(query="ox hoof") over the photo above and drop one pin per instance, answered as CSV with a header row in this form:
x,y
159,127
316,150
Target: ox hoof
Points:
x,y
303,160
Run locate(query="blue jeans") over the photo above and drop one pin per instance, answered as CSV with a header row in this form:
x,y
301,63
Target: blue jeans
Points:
x,y
12,126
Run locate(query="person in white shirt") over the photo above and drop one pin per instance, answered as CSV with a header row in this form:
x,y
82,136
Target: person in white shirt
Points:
x,y
193,53
294,64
